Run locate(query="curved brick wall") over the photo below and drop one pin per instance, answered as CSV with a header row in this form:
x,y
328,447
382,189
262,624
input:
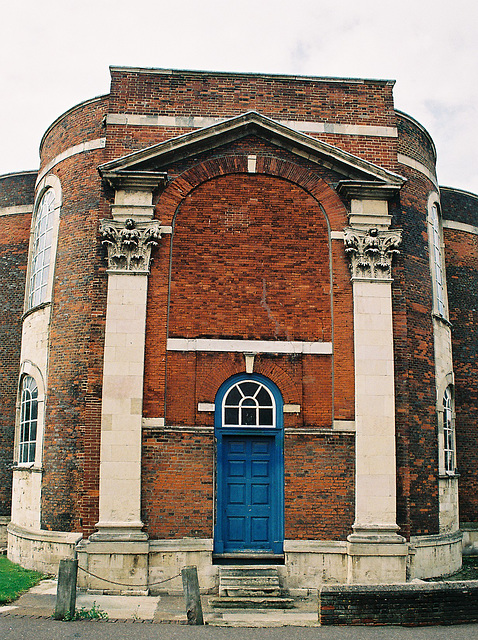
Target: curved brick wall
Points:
x,y
80,124
461,250
72,424
416,422
414,141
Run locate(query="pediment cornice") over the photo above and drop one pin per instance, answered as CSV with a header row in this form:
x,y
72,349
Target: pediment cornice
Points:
x,y
158,157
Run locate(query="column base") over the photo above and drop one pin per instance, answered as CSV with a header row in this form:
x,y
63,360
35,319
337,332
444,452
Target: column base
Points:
x,y
376,555
118,532
113,566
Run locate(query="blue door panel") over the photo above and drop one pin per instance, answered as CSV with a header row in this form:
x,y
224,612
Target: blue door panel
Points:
x,y
260,530
248,499
236,529
237,493
260,495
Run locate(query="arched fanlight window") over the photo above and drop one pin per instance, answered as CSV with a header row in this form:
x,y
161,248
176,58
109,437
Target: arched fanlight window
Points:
x,y
41,250
448,432
437,260
248,404
28,420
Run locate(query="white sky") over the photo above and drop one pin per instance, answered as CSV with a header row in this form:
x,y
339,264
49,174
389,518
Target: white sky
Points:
x,y
56,53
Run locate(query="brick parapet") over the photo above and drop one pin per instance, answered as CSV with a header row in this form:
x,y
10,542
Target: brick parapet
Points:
x,y
415,142
408,604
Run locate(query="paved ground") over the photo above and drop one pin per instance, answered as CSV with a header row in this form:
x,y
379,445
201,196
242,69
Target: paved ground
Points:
x,y
40,602
131,618
18,628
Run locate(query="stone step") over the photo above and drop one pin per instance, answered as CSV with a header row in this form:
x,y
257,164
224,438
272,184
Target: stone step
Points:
x,y
251,603
249,581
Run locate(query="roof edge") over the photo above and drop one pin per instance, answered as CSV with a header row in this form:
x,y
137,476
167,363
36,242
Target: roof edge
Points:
x,y
278,76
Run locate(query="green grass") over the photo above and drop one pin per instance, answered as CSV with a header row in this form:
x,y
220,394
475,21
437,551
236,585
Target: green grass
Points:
x,y
14,580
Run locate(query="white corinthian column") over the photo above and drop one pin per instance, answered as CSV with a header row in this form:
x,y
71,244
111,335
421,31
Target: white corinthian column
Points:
x,y
377,554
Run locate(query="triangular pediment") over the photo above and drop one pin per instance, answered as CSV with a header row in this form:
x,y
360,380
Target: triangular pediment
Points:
x,y
158,157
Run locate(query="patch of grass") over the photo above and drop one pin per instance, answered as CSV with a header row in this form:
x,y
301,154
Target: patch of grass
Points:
x,y
95,613
14,580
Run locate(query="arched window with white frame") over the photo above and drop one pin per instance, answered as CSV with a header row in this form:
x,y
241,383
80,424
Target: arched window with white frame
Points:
x,y
448,432
42,245
28,421
437,261
249,404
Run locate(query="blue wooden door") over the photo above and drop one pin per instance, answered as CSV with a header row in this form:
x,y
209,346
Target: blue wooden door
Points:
x,y
248,493
250,467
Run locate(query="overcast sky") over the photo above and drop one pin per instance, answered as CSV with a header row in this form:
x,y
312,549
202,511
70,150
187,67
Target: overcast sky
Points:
x,y
56,53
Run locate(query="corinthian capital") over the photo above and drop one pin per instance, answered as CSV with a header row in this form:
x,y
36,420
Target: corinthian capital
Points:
x,y
129,244
371,252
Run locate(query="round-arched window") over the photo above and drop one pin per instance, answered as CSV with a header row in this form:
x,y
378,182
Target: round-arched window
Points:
x,y
248,404
41,250
28,420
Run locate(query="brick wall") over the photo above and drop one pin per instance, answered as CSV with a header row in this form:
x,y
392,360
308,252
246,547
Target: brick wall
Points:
x,y
177,489
461,253
188,93
15,190
410,605
72,429
80,124
416,421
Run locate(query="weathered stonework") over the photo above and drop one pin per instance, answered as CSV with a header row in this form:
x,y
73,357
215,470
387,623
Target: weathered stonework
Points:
x,y
129,244
371,252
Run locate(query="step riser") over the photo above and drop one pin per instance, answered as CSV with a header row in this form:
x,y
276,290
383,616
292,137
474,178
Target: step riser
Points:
x,y
252,603
249,593
250,587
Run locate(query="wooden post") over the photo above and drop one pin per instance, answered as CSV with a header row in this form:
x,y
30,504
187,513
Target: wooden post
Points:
x,y
191,595
66,589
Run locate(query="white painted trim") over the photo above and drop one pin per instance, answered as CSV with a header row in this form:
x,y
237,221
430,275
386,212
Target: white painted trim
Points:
x,y
10,211
418,166
197,122
90,145
250,346
460,226
210,406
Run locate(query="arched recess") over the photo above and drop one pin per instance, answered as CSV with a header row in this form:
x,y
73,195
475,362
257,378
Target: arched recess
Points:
x,y
251,260
250,467
312,183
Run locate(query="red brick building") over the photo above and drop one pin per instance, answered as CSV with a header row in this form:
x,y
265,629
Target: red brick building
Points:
x,y
240,325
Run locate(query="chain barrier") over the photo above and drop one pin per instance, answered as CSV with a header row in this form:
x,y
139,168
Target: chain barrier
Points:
x,y
123,584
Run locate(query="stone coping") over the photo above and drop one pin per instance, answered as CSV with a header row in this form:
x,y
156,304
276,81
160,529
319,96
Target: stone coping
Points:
x,y
59,537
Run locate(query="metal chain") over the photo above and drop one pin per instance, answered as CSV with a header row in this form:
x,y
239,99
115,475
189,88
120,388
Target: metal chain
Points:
x,y
123,584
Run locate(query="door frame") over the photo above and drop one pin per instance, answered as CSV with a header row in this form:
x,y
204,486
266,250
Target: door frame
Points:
x,y
277,480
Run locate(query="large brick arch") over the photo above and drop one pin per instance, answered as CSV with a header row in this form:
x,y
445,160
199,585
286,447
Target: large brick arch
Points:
x,y
333,208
